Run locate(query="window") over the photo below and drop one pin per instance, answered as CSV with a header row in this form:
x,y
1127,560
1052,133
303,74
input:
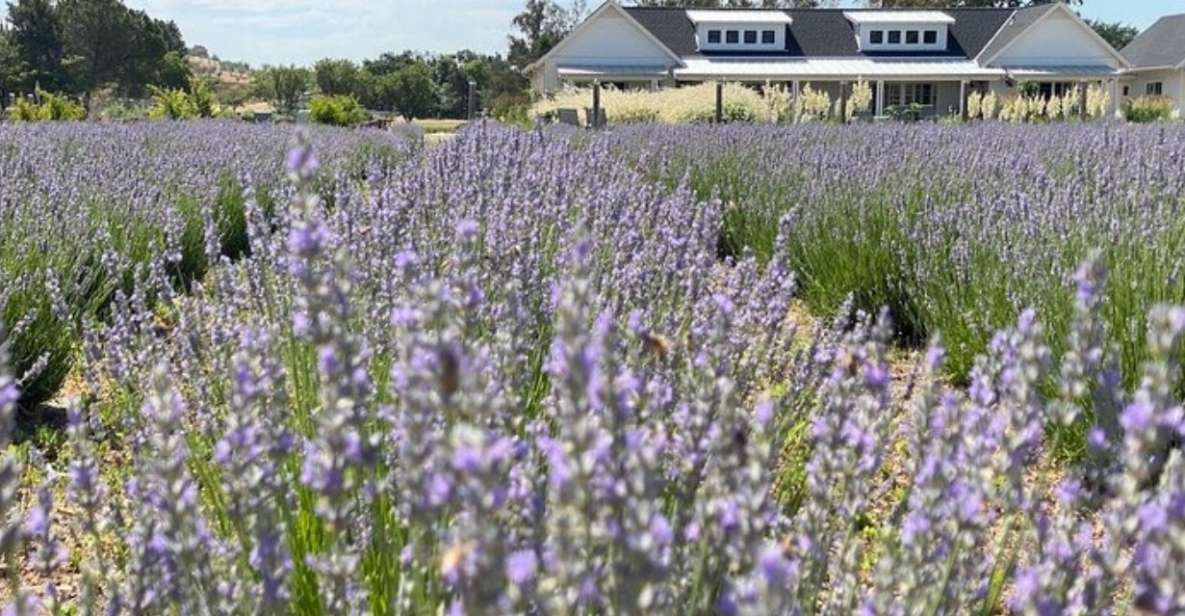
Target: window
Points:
x,y
876,37
897,94
750,37
732,37
1048,90
768,37
1127,90
714,37
1156,88
894,37
930,37
911,37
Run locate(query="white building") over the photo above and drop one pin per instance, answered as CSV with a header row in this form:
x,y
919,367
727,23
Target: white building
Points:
x,y
931,57
1157,60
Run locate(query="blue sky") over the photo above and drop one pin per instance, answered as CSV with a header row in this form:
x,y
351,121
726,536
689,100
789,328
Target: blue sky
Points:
x,y
302,31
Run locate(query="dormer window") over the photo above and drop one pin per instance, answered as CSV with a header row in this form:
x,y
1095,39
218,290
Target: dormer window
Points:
x,y
740,30
907,31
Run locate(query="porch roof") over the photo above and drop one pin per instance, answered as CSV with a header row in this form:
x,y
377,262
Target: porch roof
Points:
x,y
612,71
1093,71
833,68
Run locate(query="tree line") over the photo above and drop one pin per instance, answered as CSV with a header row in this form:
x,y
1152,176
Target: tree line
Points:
x,y
415,85
418,85
79,47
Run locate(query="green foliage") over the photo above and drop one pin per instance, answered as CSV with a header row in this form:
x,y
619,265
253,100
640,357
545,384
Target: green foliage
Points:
x,y
171,105
1029,89
173,71
338,77
82,46
1144,109
51,109
202,99
24,110
511,109
284,86
412,91
1118,34
337,111
540,26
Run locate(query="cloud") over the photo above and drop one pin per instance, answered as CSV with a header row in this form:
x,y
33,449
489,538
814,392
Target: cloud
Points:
x,y
302,31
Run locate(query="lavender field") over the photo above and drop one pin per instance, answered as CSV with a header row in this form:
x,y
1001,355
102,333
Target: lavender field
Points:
x,y
749,370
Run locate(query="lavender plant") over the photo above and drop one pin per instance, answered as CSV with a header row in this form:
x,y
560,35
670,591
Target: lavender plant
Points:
x,y
86,209
956,231
512,375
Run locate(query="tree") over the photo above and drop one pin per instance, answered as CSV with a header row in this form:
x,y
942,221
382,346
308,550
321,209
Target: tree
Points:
x,y
541,26
174,71
412,91
1009,4
337,77
1118,34
284,86
12,68
107,44
37,37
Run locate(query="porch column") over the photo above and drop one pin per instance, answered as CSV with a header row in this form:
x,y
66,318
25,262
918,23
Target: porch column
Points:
x,y
797,107
843,102
963,100
1114,107
880,98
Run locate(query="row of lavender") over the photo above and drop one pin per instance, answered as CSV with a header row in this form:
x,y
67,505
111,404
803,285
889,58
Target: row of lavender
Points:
x,y
955,229
83,207
512,376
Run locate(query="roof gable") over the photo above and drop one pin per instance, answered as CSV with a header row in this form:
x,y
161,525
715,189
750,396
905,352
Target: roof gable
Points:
x,y
1162,45
826,32
612,23
1051,34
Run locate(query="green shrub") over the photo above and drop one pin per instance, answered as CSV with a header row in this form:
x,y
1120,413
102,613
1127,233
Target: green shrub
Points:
x,y
51,109
202,99
1144,109
341,110
23,111
511,109
60,109
170,104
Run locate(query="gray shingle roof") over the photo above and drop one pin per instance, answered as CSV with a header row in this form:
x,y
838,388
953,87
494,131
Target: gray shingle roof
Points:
x,y
1021,20
826,32
1161,45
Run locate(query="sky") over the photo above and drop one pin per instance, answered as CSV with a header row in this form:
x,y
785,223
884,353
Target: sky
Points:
x,y
303,31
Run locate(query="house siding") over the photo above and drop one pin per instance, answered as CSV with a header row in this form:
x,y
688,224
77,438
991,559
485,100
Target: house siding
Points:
x,y
609,40
1173,80
1057,40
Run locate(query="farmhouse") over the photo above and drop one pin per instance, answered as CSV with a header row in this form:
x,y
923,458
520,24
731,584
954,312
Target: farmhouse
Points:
x,y
934,58
1157,60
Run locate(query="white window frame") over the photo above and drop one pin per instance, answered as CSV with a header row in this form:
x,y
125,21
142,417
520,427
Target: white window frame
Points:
x,y
1154,88
900,94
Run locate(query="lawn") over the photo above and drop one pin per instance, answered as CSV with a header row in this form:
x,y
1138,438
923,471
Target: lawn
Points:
x,y
684,370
